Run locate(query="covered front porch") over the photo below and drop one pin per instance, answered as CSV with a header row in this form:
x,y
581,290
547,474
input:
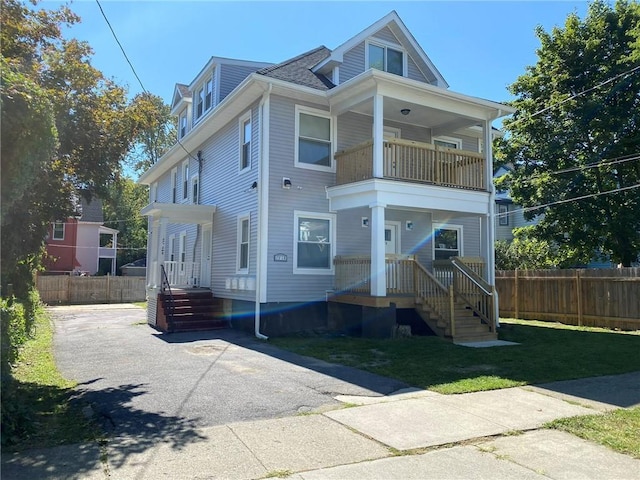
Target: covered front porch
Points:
x,y
452,298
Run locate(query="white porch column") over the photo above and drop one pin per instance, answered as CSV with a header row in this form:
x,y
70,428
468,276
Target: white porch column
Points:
x,y
378,134
378,275
152,268
490,219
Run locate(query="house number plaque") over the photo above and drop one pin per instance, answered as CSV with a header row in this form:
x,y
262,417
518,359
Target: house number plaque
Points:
x,y
280,257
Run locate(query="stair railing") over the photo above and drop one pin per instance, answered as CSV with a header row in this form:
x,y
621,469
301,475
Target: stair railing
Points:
x,y
474,291
164,288
435,295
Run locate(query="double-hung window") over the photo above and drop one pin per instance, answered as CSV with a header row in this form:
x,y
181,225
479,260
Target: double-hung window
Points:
x,y
208,94
200,102
195,189
245,141
58,231
185,180
243,244
447,241
448,142
174,185
385,58
503,214
183,124
314,133
314,243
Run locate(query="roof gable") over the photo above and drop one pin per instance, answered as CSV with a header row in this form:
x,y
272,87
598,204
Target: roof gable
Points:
x,y
398,29
181,93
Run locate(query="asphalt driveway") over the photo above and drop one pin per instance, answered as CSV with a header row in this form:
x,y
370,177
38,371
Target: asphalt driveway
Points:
x,y
139,381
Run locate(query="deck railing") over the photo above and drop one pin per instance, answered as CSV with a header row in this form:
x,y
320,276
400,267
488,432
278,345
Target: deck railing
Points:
x,y
410,161
182,274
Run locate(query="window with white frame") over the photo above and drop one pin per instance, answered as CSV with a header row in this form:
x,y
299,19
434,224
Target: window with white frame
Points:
x,y
153,192
183,124
314,133
185,180
174,185
386,58
244,234
195,189
245,141
58,231
503,214
314,242
199,102
182,250
448,142
172,248
447,241
208,94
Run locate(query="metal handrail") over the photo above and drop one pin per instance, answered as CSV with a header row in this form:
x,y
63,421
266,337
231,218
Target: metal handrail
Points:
x,y
165,285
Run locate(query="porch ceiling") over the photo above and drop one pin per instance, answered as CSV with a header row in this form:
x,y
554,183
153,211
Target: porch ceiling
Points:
x,y
180,213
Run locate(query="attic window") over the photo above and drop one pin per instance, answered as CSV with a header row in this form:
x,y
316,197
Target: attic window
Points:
x,y
386,59
183,124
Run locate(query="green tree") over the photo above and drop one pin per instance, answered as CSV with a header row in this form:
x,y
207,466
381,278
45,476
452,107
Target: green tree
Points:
x,y
526,252
122,212
65,127
578,108
157,132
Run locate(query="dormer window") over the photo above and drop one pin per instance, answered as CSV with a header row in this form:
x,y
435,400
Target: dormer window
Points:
x,y
204,98
386,58
200,103
183,124
208,94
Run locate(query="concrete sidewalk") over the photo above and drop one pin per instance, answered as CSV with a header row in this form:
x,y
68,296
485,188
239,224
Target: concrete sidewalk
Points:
x,y
412,434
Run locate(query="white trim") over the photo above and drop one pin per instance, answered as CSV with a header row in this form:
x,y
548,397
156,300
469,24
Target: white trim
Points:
x,y
53,231
447,226
386,45
183,115
241,122
153,192
173,194
398,239
332,244
171,248
444,138
194,193
397,133
245,217
184,182
317,113
182,248
263,205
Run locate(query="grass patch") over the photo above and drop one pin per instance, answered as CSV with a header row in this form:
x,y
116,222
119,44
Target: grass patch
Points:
x,y
618,429
39,397
141,304
547,352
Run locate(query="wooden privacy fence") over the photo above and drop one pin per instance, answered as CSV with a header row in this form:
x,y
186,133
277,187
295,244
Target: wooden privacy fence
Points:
x,y
75,289
608,298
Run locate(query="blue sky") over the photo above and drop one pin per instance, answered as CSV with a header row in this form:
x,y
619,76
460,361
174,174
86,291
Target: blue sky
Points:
x,y
480,47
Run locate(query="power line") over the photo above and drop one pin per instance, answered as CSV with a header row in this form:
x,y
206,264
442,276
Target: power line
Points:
x,y
567,200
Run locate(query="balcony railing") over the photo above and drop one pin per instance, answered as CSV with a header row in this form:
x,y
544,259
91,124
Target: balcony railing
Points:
x,y
410,161
182,274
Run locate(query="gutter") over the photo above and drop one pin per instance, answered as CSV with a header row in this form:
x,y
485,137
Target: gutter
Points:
x,y
263,208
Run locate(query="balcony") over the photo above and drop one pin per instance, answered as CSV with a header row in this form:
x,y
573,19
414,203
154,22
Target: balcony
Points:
x,y
416,162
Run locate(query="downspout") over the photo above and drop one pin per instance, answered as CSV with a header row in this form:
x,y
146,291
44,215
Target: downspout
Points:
x,y
263,196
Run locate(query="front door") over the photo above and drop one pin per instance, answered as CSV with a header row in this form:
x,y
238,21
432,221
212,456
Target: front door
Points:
x,y
205,257
391,238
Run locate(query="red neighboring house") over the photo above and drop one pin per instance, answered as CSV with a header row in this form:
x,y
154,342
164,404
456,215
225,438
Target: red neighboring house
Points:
x,y
82,244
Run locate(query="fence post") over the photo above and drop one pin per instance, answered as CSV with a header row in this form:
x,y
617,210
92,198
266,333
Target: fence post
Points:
x,y
515,291
108,289
68,288
579,295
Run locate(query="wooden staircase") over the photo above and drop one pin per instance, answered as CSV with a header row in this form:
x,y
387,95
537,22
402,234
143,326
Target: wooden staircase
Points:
x,y
468,327
188,310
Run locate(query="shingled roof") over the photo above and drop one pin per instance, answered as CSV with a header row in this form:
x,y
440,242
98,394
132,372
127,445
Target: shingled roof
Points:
x,y
91,210
183,89
298,69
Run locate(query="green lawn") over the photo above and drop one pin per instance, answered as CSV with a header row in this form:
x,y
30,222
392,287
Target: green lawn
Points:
x,y
40,398
619,429
547,352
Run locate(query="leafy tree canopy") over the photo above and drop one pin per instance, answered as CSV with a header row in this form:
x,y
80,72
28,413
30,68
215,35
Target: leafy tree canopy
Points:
x,y
65,126
578,109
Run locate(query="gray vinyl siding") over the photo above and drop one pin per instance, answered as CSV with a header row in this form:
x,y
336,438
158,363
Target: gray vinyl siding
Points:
x,y
354,128
414,73
353,63
231,76
306,194
222,185
354,239
386,35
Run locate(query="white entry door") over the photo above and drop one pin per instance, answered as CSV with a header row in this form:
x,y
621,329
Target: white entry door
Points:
x,y
205,257
391,241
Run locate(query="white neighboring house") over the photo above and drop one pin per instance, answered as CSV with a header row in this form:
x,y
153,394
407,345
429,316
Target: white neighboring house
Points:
x,y
327,191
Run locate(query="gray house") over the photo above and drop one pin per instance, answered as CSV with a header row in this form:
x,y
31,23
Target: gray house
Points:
x,y
328,191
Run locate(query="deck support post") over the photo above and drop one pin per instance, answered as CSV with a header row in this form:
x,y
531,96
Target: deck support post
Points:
x,y
378,274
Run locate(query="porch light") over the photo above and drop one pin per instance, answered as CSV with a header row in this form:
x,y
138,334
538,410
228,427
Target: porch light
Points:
x,y
405,111
286,183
